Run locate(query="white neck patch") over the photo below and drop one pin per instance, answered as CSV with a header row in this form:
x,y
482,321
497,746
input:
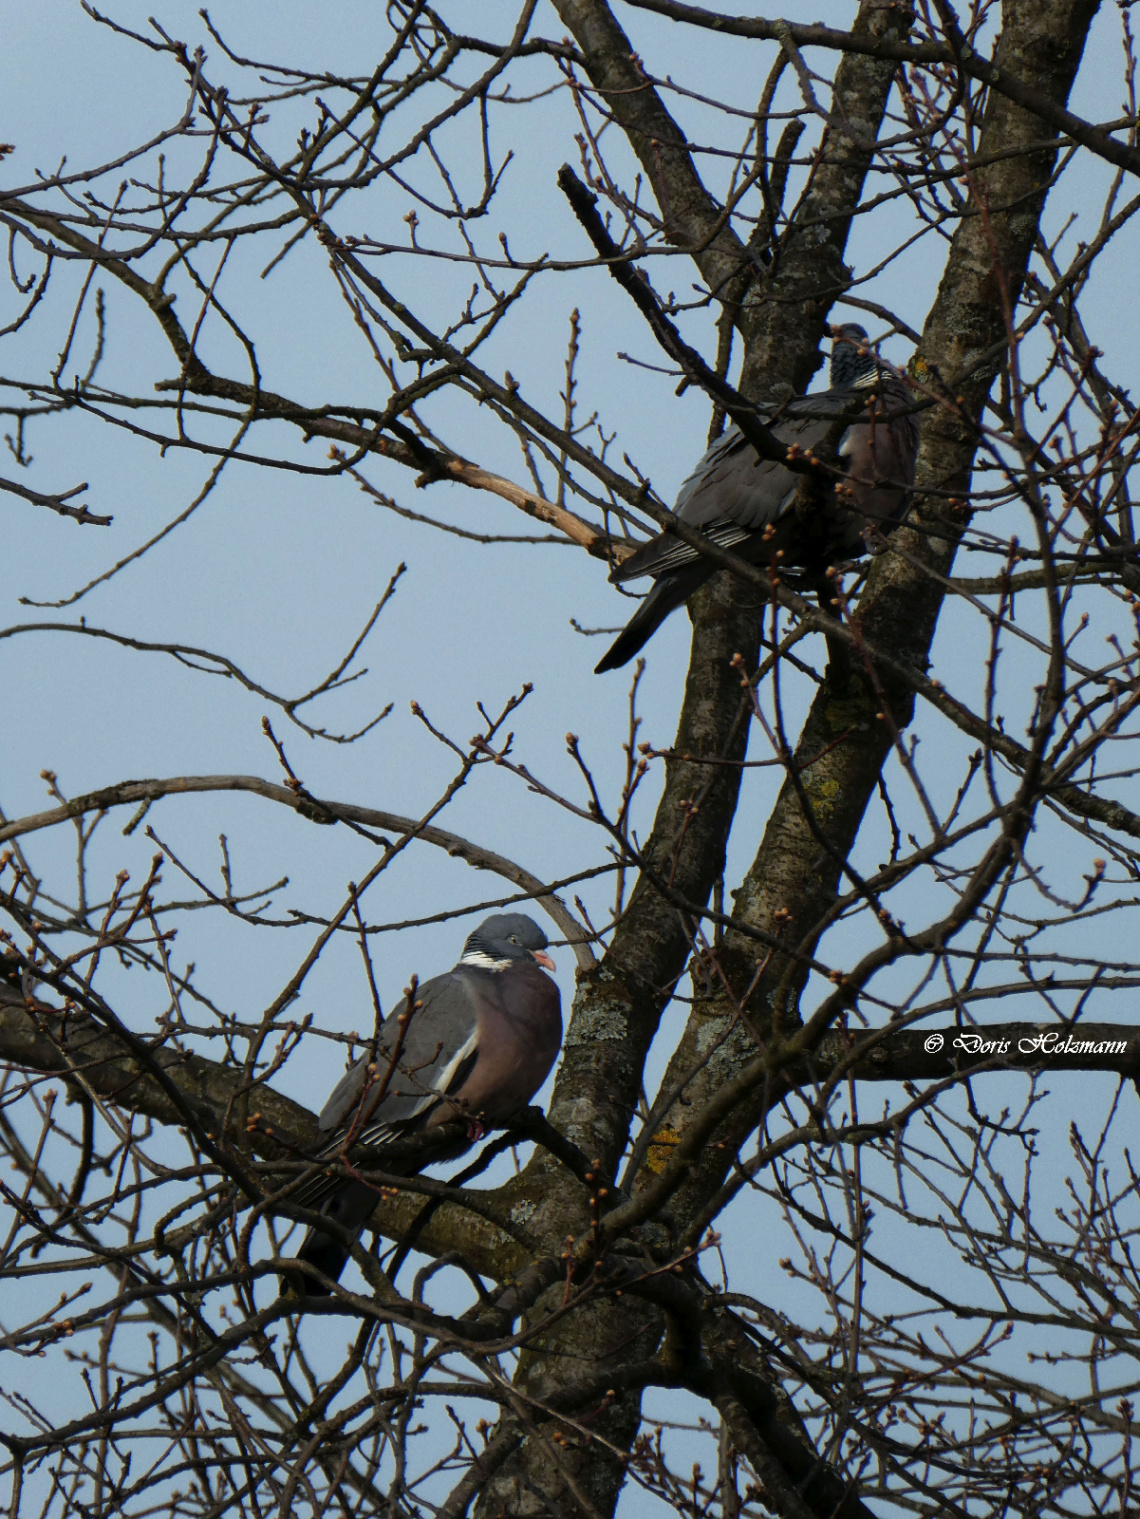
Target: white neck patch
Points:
x,y
484,962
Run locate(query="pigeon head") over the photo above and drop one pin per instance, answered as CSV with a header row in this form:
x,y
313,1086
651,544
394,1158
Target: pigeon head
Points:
x,y
504,939
851,368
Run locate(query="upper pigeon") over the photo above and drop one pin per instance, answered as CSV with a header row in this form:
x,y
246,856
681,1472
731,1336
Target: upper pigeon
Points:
x,y
743,502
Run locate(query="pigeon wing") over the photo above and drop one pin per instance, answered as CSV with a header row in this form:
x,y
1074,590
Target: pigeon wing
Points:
x,y
731,495
377,1098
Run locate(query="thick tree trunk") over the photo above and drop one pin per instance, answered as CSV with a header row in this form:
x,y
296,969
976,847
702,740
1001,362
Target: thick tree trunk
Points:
x,y
618,1006
798,868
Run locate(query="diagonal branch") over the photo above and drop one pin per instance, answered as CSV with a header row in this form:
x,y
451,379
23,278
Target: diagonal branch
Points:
x,y
60,503
635,284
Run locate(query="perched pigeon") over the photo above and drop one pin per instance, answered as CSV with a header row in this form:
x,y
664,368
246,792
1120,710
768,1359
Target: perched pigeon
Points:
x,y
734,496
477,1046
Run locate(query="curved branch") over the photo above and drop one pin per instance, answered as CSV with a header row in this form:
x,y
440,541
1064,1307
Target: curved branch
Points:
x,y
128,793
206,662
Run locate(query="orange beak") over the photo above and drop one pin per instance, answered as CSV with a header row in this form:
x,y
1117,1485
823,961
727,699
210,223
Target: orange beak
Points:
x,y
544,960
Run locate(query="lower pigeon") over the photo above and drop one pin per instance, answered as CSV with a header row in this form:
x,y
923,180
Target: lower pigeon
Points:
x,y
475,1046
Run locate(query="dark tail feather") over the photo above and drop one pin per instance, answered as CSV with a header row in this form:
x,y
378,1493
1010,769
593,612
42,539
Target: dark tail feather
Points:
x,y
668,593
323,1252
351,1206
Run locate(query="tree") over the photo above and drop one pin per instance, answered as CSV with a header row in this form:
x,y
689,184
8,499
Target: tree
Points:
x,y
713,1079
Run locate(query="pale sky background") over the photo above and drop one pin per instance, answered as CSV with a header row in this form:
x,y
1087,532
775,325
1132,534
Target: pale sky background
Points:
x,y
279,571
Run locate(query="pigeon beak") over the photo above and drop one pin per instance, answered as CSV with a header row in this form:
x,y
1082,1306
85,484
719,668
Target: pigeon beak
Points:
x,y
544,960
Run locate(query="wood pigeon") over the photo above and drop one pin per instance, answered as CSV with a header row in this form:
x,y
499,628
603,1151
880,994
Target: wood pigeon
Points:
x,y
744,502
478,1044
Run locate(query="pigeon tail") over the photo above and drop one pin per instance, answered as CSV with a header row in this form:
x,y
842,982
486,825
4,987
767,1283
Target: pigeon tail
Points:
x,y
351,1207
323,1252
668,593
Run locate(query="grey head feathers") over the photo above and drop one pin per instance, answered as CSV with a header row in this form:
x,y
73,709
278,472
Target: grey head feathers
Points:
x,y
503,938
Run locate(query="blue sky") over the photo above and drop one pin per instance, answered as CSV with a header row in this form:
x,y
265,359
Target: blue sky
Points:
x,y
280,570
